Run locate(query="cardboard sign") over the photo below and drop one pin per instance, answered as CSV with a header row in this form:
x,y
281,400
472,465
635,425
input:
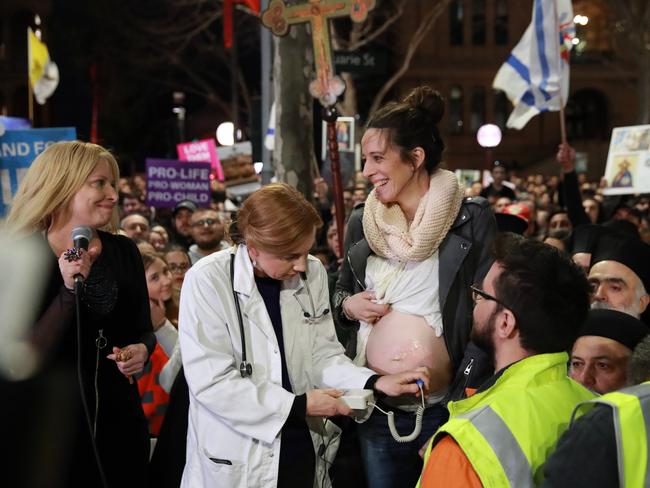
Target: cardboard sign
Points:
x,y
18,148
170,181
628,161
203,150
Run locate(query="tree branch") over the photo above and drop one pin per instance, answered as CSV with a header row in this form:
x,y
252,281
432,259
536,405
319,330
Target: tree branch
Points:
x,y
353,46
425,26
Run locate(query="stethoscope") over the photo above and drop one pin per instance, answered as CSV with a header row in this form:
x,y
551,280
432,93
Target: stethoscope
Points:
x,y
246,368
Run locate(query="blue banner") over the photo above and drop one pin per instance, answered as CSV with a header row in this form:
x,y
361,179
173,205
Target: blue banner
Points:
x,y
18,148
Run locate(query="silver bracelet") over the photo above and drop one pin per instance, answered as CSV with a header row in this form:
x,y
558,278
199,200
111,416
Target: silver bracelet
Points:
x,y
345,314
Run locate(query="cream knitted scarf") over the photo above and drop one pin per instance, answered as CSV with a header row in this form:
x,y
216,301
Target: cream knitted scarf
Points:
x,y
389,234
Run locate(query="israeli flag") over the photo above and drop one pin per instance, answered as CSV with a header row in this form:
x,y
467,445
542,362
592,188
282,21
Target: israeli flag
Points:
x,y
536,75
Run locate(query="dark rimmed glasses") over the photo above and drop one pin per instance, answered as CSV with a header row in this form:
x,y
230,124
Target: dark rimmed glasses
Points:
x,y
479,294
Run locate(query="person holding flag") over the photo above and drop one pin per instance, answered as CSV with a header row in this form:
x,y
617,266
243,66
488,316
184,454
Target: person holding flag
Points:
x,y
535,77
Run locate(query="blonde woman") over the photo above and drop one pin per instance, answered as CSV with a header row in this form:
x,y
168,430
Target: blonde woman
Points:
x,y
72,184
261,358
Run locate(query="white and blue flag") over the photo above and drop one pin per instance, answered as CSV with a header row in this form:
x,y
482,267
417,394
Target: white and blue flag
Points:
x,y
536,75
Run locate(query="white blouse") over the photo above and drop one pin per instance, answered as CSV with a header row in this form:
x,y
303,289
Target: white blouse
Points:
x,y
410,287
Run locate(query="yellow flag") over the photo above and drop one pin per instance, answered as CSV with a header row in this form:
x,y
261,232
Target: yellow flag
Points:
x,y
38,56
43,72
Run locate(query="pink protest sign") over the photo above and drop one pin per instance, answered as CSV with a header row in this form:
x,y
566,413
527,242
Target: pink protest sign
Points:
x,y
203,150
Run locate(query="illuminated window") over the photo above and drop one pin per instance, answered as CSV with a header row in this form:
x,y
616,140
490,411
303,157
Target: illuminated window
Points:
x,y
592,30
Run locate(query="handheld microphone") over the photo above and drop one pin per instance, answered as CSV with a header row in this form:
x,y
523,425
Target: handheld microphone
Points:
x,y
81,237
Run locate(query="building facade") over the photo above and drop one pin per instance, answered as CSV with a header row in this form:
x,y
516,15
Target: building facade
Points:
x,y
464,50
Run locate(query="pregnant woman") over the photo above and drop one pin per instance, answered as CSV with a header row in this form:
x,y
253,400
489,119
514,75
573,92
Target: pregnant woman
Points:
x,y
411,254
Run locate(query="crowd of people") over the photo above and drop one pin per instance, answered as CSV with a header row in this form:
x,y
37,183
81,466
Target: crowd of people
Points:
x,y
501,328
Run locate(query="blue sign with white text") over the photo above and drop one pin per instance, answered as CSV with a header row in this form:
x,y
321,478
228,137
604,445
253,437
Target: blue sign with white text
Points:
x,y
18,148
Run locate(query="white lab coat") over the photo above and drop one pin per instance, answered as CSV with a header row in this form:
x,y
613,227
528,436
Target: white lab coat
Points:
x,y
237,421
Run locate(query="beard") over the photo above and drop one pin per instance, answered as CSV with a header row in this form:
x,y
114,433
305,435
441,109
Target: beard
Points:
x,y
634,309
482,336
208,243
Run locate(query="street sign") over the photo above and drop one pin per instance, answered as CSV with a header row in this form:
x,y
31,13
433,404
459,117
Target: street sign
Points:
x,y
366,62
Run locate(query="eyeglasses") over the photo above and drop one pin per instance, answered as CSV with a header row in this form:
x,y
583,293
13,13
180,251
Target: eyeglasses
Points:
x,y
201,223
178,268
478,294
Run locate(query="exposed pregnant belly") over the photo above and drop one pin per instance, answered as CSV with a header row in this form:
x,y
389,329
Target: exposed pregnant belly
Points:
x,y
401,342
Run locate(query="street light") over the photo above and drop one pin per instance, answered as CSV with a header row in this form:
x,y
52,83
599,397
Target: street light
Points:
x,y
488,136
226,133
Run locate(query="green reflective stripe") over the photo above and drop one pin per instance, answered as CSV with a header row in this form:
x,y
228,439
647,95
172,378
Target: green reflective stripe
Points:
x,y
506,448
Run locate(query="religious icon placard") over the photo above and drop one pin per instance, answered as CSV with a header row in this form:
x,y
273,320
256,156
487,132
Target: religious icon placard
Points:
x,y
628,161
344,135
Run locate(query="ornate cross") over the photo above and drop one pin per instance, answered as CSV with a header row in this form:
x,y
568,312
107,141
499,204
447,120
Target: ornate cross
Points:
x,y
327,86
279,16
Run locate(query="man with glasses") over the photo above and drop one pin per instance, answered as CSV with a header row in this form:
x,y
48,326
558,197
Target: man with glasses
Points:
x,y
527,313
207,231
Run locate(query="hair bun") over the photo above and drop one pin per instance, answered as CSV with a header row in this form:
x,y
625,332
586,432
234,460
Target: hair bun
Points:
x,y
427,99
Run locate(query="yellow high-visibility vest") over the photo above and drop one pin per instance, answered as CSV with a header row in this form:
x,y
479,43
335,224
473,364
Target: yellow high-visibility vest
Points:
x,y
631,413
508,430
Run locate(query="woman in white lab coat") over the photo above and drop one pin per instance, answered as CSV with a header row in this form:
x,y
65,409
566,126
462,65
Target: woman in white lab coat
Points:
x,y
259,403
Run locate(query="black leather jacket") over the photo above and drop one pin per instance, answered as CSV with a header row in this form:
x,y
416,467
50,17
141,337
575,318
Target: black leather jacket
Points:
x,y
465,259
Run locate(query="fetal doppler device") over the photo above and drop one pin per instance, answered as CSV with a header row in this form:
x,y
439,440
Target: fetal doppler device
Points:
x,y
362,399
